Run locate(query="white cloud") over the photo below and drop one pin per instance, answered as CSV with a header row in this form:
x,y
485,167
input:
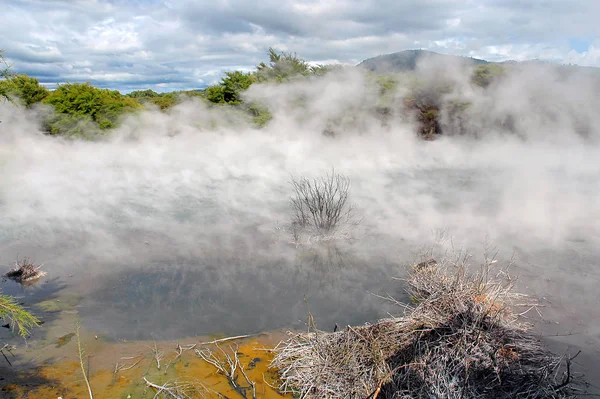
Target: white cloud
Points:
x,y
176,42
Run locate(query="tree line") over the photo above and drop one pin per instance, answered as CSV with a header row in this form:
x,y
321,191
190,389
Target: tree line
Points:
x,y
81,110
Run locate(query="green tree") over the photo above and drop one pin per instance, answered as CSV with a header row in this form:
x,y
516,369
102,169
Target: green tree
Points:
x,y
162,100
143,94
78,104
215,94
322,70
484,75
282,66
234,83
27,89
5,75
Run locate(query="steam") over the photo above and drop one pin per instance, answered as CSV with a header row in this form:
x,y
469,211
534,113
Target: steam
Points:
x,y
198,181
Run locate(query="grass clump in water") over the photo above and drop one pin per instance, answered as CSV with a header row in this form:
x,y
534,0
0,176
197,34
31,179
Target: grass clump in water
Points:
x,y
25,271
460,340
321,207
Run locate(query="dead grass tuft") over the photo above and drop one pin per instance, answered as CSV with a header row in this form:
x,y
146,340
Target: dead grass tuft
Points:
x,y
460,340
25,271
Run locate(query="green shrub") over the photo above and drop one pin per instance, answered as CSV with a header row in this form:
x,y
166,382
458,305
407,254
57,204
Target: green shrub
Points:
x,y
484,75
260,114
164,101
78,104
234,83
143,94
282,66
4,75
25,88
215,94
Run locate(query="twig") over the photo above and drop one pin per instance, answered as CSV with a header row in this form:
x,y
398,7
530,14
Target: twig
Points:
x,y
80,350
170,391
567,379
124,368
8,348
228,365
218,341
157,355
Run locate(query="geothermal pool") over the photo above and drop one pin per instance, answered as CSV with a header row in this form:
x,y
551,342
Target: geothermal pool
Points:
x,y
152,237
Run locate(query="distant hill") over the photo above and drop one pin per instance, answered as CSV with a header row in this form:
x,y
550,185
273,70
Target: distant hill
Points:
x,y
407,60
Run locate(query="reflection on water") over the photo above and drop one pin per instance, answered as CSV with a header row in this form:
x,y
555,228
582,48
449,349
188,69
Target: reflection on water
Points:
x,y
241,294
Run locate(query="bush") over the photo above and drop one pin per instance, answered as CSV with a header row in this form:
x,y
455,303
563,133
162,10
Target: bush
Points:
x,y
4,75
25,88
282,66
461,340
78,104
143,94
484,75
321,205
260,114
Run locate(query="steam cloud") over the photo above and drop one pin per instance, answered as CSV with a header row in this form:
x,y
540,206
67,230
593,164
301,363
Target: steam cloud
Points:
x,y
201,190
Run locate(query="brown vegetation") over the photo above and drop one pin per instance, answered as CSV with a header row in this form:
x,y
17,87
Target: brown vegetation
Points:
x,y
460,340
25,271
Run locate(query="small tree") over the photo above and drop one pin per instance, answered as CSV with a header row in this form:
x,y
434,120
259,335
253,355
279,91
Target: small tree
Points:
x,y
321,204
27,89
234,83
215,94
78,104
4,77
282,66
484,75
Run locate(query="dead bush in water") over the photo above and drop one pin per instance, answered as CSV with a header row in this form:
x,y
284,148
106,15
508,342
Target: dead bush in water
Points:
x,y
25,271
321,205
461,340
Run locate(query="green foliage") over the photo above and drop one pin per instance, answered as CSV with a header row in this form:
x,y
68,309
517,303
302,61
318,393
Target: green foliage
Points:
x,y
71,125
260,114
215,94
4,75
163,101
282,67
234,83
458,106
78,104
387,84
322,70
27,89
431,114
143,94
230,88
20,319
484,75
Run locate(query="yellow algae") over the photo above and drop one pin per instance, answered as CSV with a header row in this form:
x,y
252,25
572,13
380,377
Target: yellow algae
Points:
x,y
65,339
117,370
66,302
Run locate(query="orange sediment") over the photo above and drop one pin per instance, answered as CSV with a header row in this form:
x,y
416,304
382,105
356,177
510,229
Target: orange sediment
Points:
x,y
117,370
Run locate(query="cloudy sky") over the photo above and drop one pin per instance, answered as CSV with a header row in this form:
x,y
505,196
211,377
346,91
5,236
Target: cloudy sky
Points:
x,y
184,44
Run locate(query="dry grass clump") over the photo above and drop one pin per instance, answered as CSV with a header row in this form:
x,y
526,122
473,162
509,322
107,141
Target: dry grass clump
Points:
x,y
461,340
321,207
25,271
